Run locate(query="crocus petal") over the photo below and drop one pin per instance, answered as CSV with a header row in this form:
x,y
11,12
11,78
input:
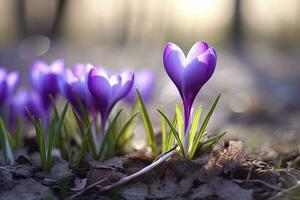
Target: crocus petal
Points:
x,y
3,91
3,74
100,90
120,90
193,78
210,59
197,49
39,68
57,66
79,70
174,62
13,81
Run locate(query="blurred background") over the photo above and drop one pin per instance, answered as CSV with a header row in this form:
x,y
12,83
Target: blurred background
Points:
x,y
258,46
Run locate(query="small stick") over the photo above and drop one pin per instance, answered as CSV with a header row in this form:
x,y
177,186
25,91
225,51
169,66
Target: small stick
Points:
x,y
288,189
162,158
154,164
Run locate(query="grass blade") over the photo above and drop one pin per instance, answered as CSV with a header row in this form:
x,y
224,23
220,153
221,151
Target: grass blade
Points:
x,y
170,139
124,128
194,125
54,131
179,122
210,142
147,124
196,142
105,149
163,135
7,144
83,145
38,125
175,133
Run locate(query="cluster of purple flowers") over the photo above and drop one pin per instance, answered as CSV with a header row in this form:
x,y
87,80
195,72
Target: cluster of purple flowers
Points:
x,y
83,86
98,92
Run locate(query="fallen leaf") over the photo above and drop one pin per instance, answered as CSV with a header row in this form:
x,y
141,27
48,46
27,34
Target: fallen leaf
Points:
x,y
226,160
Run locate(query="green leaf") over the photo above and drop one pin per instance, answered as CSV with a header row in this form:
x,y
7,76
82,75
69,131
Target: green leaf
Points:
x,y
82,128
147,124
124,128
194,125
175,133
83,145
179,122
170,138
38,125
210,142
106,149
54,131
7,144
196,142
163,135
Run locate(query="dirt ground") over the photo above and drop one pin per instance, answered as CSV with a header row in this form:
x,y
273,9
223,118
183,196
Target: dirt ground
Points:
x,y
227,172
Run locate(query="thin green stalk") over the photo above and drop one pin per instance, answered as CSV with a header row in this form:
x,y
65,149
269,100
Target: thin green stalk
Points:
x,y
147,124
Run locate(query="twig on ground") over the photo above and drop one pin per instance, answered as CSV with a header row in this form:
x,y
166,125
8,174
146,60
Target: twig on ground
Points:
x,y
284,191
154,164
162,158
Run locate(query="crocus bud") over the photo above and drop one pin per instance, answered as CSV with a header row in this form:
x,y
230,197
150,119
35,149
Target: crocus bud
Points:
x,y
144,81
107,91
189,73
45,79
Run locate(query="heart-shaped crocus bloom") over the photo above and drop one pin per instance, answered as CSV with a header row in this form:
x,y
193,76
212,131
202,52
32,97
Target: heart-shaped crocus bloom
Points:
x,y
45,78
9,83
74,86
107,91
189,73
144,81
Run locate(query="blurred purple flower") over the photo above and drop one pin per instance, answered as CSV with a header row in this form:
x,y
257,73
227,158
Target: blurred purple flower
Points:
x,y
45,79
9,83
144,81
107,91
74,86
189,73
29,99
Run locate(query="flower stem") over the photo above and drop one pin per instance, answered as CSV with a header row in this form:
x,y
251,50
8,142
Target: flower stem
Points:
x,y
187,111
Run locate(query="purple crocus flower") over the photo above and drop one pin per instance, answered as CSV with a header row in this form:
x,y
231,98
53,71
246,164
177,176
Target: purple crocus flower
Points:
x,y
29,99
74,86
189,73
107,91
9,83
144,81
45,79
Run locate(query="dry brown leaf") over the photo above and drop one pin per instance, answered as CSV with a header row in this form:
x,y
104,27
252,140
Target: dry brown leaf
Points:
x,y
226,160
